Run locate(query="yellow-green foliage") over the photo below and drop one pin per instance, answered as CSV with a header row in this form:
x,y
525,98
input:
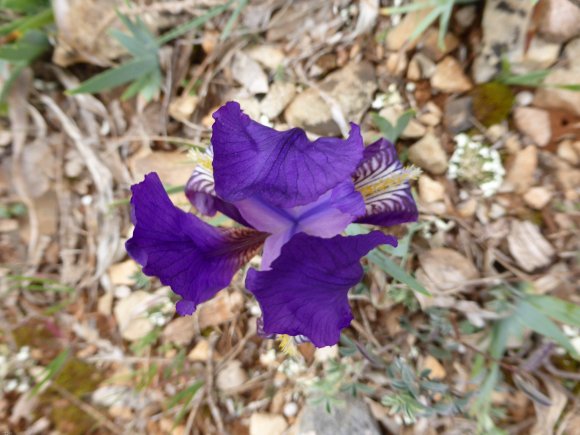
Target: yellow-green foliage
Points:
x,y
492,103
79,379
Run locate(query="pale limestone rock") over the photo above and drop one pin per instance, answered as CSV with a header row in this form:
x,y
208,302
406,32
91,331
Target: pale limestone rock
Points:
x,y
231,376
521,173
568,150
249,74
467,208
352,416
430,190
131,315
534,123
262,423
398,37
420,67
505,26
280,95
397,63
550,97
560,20
541,54
429,44
449,77
428,153
270,56
538,197
180,331
352,88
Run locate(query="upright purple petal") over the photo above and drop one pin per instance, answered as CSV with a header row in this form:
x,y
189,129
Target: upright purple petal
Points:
x,y
194,258
282,168
201,194
306,291
200,190
388,202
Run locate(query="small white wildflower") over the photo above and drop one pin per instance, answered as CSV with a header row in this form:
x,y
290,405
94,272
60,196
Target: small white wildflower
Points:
x,y
290,409
476,164
11,385
157,318
23,387
379,101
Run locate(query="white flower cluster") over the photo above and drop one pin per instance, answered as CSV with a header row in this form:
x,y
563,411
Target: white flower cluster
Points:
x,y
476,164
15,370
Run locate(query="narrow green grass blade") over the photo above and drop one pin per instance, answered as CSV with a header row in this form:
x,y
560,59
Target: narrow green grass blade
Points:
x,y
411,7
230,24
424,24
444,24
529,316
23,24
112,78
557,309
193,24
398,273
51,370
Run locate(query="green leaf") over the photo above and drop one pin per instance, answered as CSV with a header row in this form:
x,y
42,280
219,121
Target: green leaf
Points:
x,y
574,88
398,273
112,78
529,316
24,6
36,21
386,128
424,24
33,44
51,370
230,24
193,24
557,309
402,123
186,395
444,24
134,46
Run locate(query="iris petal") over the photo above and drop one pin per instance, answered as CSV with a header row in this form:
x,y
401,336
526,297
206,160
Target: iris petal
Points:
x,y
282,168
326,217
194,258
306,291
381,179
200,190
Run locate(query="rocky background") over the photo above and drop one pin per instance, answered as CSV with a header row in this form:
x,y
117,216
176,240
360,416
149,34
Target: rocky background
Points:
x,y
88,344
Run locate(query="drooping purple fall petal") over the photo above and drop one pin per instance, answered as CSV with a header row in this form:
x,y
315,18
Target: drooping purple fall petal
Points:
x,y
194,258
305,292
388,200
281,168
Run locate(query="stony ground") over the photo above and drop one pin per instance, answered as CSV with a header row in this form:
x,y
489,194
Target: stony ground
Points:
x,y
88,344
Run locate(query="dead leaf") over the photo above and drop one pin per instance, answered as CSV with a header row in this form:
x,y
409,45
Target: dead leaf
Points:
x,y
121,273
446,270
548,416
221,309
173,168
180,331
528,247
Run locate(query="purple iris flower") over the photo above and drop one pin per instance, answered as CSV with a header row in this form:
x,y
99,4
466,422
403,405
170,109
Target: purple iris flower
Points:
x,y
294,197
